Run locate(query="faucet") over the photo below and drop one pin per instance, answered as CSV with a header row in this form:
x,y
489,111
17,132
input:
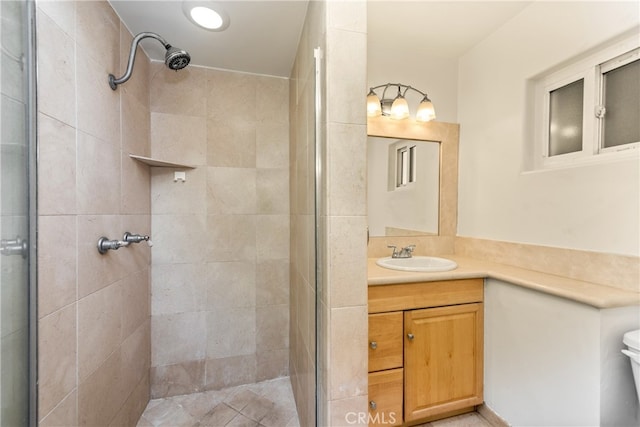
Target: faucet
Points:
x,y
405,252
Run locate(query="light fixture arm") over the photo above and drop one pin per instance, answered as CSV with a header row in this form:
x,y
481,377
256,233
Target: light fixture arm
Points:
x,y
397,107
399,86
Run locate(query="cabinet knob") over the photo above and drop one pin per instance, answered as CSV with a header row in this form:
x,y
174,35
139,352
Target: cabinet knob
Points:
x,y
373,345
373,405
410,336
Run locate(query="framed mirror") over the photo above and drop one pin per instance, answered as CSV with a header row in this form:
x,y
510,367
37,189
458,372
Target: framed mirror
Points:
x,y
403,186
399,151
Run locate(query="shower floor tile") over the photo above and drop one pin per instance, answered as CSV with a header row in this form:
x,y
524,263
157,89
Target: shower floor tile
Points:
x,y
265,404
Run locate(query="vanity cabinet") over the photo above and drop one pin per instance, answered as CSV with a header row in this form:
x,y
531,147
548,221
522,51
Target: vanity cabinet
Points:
x,y
425,350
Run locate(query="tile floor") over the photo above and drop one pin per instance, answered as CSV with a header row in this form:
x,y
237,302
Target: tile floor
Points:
x,y
265,404
472,419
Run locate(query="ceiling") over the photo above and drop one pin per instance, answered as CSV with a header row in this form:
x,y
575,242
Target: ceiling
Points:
x,y
263,35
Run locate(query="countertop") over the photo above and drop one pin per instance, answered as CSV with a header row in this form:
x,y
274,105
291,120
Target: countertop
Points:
x,y
592,294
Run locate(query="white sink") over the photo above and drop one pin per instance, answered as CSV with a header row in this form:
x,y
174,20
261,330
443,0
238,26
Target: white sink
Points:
x,y
417,263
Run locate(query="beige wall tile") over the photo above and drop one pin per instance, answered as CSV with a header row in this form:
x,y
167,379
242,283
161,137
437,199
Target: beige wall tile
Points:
x,y
136,122
135,302
272,328
231,143
135,405
99,328
231,332
177,338
178,93
101,394
139,83
272,145
170,197
347,169
231,237
136,357
57,263
65,414
231,95
231,191
56,55
135,185
99,18
348,352
80,166
57,350
272,100
230,371
63,13
348,412
57,167
177,379
98,176
272,191
178,239
272,282
98,107
272,364
345,103
178,288
95,270
272,237
347,261
179,138
230,285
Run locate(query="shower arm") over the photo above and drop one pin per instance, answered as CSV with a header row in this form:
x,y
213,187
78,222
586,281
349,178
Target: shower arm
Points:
x,y
113,82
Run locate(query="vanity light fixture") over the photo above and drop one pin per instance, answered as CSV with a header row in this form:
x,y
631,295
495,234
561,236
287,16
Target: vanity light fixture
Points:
x,y
206,14
398,108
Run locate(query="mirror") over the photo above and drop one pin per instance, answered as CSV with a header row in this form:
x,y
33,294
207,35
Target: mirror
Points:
x,y
403,186
440,201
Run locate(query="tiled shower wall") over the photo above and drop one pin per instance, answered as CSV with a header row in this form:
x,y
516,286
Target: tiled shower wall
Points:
x,y
94,328
220,283
339,29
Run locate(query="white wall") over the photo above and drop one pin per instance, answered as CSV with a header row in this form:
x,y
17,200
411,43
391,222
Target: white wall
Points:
x,y
554,362
593,207
433,75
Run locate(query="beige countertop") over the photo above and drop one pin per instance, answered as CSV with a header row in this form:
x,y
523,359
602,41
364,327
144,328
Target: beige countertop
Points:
x,y
592,294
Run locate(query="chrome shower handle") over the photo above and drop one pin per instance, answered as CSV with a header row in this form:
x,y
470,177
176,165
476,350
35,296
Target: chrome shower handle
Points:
x,y
137,238
104,244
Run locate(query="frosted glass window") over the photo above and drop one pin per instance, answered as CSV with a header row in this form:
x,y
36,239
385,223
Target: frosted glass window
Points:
x,y
622,102
565,118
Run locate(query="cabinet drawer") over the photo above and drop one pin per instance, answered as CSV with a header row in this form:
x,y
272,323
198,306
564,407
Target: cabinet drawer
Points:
x,y
385,341
385,397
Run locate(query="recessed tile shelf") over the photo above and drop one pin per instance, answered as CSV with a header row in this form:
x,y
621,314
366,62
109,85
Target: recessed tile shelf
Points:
x,y
160,163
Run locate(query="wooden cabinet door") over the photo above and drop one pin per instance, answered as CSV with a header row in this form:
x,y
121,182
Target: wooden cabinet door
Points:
x,y
385,341
443,357
385,398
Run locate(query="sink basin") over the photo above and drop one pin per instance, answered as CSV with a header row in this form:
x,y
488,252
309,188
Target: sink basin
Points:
x,y
417,263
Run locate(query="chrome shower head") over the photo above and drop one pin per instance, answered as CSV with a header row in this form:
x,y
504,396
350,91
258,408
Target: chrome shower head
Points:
x,y
175,58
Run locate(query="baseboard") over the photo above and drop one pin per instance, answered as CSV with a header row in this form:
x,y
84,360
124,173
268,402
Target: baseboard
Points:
x,y
494,419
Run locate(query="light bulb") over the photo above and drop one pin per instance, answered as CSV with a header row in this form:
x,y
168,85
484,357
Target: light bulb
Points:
x,y
207,18
374,108
425,112
399,108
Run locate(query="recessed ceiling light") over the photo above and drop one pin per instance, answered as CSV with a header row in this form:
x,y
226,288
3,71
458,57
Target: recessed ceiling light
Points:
x,y
207,15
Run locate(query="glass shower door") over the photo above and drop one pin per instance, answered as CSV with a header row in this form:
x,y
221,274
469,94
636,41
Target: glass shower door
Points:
x,y
16,197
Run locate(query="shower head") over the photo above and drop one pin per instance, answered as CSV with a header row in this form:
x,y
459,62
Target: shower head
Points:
x,y
175,58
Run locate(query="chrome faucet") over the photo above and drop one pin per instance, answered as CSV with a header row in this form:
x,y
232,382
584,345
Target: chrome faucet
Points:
x,y
406,252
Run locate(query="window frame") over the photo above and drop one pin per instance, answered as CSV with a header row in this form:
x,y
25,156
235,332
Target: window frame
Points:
x,y
591,69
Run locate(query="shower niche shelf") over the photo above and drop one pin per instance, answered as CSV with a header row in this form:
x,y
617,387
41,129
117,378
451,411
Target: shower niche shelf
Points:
x,y
160,163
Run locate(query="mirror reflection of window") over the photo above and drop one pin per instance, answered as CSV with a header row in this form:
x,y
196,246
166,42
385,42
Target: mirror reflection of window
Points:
x,y
403,186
